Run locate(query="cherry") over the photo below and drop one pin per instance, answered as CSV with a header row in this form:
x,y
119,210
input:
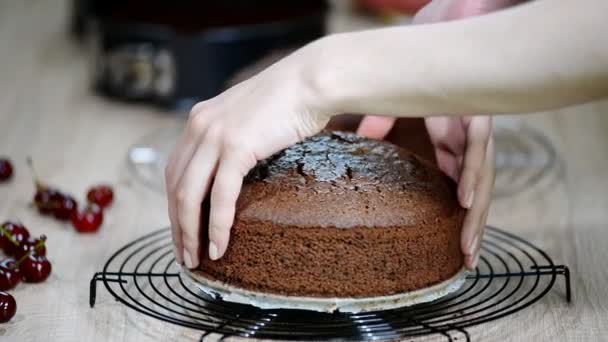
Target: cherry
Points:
x,y
47,199
66,205
35,268
8,307
89,220
6,170
12,234
101,195
32,245
10,275
52,201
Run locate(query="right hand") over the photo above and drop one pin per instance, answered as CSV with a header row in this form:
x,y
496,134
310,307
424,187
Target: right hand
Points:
x,y
463,145
223,139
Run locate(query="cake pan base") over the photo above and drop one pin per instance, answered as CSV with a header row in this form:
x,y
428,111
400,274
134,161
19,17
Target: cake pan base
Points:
x,y
264,300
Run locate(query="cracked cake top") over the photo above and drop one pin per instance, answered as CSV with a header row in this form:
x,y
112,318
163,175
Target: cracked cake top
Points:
x,y
343,180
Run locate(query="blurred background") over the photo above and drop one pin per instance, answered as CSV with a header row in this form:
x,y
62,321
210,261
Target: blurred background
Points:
x,y
171,55
97,91
121,76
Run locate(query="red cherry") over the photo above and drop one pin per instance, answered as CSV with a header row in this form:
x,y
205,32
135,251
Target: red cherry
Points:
x,y
10,275
8,307
65,207
101,195
89,220
6,170
35,268
49,200
11,236
35,246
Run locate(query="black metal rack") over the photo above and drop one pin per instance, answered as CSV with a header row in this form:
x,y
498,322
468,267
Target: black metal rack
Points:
x,y
512,275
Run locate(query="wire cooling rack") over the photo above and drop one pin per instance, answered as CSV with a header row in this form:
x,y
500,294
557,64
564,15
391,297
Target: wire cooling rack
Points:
x,y
512,275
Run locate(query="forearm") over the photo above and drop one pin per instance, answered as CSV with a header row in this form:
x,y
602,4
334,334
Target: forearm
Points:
x,y
538,56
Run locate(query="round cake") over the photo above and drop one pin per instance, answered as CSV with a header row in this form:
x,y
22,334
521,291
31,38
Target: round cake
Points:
x,y
340,215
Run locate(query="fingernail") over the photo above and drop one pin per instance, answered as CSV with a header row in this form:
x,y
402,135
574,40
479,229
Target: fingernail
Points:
x,y
178,256
213,251
472,247
469,200
475,260
188,259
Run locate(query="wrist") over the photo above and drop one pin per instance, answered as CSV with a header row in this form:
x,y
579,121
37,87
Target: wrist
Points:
x,y
318,77
356,73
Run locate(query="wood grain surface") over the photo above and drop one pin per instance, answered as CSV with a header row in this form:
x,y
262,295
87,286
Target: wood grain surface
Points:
x,y
76,139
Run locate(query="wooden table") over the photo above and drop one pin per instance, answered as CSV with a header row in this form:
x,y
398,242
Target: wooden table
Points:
x,y
77,139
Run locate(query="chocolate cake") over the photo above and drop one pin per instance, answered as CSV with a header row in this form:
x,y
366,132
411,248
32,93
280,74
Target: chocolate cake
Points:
x,y
409,133
340,215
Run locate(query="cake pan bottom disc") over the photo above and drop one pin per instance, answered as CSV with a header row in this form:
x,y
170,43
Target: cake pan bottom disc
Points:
x,y
264,300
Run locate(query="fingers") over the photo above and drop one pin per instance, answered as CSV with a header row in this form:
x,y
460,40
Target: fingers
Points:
x,y
226,189
474,223
375,127
193,186
478,133
471,260
172,175
179,159
176,231
191,190
448,163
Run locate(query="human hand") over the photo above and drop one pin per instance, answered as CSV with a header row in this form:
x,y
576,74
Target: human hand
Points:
x,y
223,139
463,146
464,150
436,11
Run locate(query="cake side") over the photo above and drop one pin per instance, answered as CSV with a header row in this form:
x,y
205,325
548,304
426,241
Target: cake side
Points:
x,y
333,262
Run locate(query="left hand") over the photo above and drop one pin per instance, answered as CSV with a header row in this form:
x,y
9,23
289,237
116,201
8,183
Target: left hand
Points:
x,y
224,138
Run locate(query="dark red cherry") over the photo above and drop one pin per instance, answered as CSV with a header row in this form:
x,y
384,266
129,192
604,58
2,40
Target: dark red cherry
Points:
x,y
32,245
12,234
66,205
8,307
35,268
6,170
47,200
10,275
101,195
89,220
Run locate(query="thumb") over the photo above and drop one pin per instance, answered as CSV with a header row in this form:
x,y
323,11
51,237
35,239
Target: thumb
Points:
x,y
375,127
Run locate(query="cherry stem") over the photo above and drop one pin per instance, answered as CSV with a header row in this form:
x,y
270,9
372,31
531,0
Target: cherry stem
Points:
x,y
40,243
30,165
31,251
9,236
22,259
